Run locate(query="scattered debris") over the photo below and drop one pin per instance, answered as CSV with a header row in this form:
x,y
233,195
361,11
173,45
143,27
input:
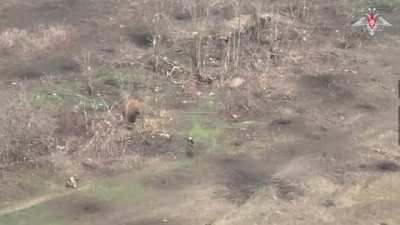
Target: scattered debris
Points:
x,y
203,78
266,18
166,135
172,69
90,164
71,182
350,71
236,82
234,116
60,147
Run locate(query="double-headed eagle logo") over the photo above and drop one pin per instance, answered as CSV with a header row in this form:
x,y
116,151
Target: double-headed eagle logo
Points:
x,y
372,21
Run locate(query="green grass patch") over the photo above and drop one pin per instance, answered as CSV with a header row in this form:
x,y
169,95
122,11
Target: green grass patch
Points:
x,y
216,134
202,133
67,96
199,130
185,163
43,214
112,191
36,215
114,79
206,128
57,97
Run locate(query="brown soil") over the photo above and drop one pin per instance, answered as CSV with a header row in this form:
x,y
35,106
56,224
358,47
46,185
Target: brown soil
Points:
x,y
309,137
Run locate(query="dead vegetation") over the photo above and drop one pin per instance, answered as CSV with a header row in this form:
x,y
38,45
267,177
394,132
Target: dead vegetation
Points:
x,y
188,46
227,77
26,134
41,40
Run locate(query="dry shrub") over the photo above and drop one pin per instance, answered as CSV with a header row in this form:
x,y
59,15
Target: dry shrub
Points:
x,y
241,24
152,31
140,34
111,137
29,44
71,123
25,134
152,125
107,139
187,9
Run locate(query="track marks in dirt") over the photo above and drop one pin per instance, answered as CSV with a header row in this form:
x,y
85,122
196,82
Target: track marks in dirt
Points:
x,y
327,87
244,174
381,166
287,190
173,180
235,177
366,107
78,207
241,175
153,146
